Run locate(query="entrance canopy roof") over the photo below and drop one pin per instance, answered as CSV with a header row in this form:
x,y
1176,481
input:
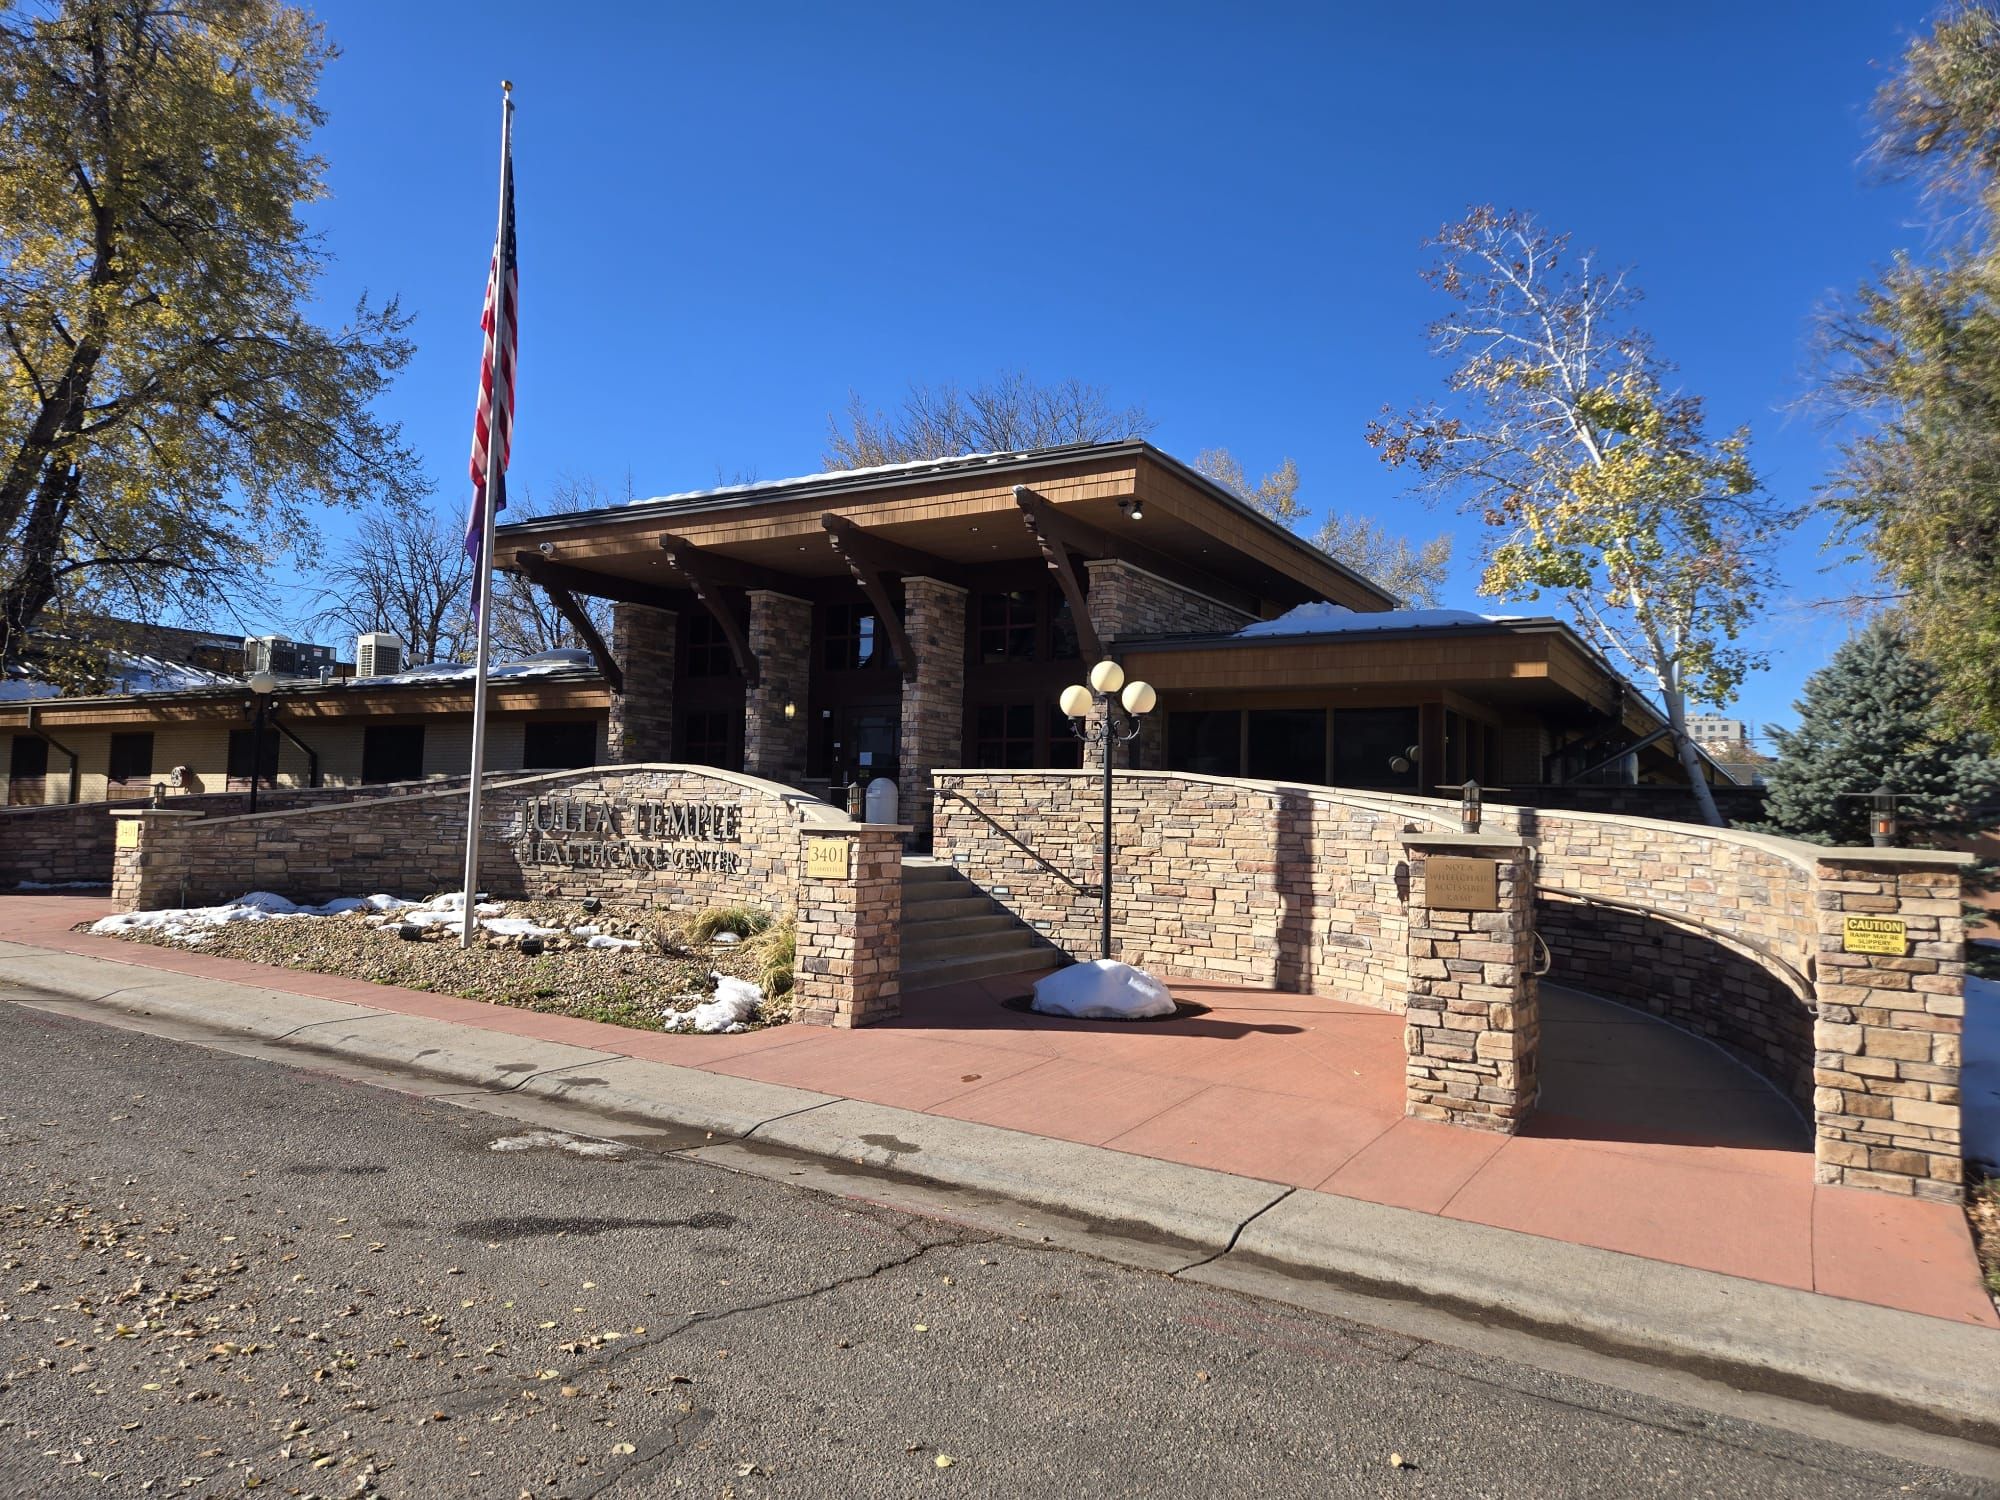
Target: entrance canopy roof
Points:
x,y
940,518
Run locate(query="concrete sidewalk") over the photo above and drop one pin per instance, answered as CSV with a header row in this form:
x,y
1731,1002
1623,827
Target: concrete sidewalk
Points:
x,y
961,1105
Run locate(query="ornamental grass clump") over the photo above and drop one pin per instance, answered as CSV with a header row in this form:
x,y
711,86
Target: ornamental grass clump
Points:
x,y
744,921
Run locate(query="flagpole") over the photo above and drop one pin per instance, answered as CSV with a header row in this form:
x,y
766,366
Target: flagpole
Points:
x,y
483,584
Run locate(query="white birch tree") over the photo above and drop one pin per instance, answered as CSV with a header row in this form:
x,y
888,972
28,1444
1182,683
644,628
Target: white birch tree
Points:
x,y
1599,483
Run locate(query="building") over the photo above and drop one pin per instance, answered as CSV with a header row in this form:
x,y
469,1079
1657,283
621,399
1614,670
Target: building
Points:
x,y
889,622
189,737
1712,730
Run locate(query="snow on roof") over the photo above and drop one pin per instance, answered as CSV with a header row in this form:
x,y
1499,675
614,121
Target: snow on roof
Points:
x,y
542,664
826,476
128,674
1320,618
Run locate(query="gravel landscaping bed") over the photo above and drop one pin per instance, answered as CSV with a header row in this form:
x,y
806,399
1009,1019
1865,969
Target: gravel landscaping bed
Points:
x,y
626,986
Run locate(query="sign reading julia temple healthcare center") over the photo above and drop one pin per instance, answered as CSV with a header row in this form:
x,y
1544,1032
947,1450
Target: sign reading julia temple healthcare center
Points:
x,y
1874,935
586,833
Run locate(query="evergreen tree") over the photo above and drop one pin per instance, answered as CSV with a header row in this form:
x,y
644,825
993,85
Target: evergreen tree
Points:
x,y
1871,716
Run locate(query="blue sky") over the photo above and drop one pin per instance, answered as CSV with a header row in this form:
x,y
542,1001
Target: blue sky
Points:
x,y
731,216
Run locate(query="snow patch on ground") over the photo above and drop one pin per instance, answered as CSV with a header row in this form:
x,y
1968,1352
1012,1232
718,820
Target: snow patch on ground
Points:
x,y
1328,619
1979,1079
190,924
733,1008
556,1140
1102,990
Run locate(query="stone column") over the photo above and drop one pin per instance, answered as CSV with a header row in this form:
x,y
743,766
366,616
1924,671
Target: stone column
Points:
x,y
848,963
641,722
1473,1021
149,857
774,746
1890,982
931,731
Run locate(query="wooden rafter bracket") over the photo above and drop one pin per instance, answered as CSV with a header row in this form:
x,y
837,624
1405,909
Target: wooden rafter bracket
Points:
x,y
1054,535
536,569
1086,540
868,558
708,576
539,570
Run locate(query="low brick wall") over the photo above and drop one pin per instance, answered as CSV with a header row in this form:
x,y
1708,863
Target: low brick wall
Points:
x,y
590,832
71,842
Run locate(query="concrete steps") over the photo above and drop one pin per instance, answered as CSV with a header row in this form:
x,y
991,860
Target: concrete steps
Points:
x,y
953,931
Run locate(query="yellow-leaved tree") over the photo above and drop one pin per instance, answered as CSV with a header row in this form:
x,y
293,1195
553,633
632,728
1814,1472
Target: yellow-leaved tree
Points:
x,y
1598,481
169,408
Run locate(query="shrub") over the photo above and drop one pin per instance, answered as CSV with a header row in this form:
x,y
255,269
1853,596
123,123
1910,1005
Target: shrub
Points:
x,y
744,921
772,952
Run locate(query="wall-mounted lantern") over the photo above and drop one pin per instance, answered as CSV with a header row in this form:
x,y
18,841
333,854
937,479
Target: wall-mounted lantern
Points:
x,y
1882,825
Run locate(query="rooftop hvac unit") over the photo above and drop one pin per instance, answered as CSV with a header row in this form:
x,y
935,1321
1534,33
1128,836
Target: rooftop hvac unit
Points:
x,y
378,654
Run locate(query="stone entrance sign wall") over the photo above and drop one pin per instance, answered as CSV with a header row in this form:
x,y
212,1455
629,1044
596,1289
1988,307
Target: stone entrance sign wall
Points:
x,y
649,837
1740,938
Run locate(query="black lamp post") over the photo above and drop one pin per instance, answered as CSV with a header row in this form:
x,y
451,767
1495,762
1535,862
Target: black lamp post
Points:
x,y
1114,722
261,684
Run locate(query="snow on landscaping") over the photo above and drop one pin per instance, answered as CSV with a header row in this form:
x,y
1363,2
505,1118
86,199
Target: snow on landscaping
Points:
x,y
733,1008
557,1140
1327,619
190,924
1102,990
1980,1076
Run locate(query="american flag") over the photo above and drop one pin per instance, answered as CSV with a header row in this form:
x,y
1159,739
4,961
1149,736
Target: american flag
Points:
x,y
493,426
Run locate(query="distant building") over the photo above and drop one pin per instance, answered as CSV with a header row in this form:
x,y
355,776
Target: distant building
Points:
x,y
1710,730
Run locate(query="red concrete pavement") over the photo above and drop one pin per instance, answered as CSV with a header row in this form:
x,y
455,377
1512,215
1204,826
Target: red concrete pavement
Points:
x,y
1650,1142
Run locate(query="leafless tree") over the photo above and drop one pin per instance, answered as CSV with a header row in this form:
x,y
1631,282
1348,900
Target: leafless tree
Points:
x,y
525,622
406,572
1009,414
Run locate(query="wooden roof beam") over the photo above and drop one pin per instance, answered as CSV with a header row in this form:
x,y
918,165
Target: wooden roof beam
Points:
x,y
708,575
867,558
597,585
533,566
1090,541
853,541
1053,534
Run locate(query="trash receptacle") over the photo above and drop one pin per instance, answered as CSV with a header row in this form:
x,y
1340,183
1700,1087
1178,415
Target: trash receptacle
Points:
x,y
881,800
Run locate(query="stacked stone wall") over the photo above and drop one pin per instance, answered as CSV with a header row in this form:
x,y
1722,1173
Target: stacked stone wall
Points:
x,y
1125,600
641,723
930,729
414,845
774,743
72,842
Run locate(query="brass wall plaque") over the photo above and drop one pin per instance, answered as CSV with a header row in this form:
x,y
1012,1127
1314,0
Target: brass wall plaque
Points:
x,y
128,833
1874,935
826,859
1455,884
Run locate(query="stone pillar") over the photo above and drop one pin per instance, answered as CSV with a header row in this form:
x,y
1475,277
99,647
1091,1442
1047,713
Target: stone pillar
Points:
x,y
1473,1020
149,857
641,722
774,746
848,964
931,731
1886,1042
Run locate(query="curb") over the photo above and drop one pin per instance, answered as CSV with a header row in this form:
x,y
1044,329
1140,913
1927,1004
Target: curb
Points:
x,y
1229,1231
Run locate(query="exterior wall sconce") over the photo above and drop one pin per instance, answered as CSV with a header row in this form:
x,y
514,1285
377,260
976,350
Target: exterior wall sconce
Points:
x,y
1468,806
791,710
1106,714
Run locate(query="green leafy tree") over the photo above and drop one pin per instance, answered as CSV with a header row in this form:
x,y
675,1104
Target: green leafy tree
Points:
x,y
1598,482
168,407
1413,572
1873,716
1912,363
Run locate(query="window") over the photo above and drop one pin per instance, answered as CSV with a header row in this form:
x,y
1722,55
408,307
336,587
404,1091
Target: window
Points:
x,y
238,779
28,771
1208,742
1288,744
392,752
1007,626
1004,736
1373,747
1062,632
131,761
853,638
708,653
706,739
558,744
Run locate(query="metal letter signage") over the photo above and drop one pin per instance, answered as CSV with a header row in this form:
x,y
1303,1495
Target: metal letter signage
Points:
x,y
1874,935
826,859
1454,884
597,834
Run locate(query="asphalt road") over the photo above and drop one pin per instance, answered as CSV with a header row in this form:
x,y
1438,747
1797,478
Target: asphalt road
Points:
x,y
219,1274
